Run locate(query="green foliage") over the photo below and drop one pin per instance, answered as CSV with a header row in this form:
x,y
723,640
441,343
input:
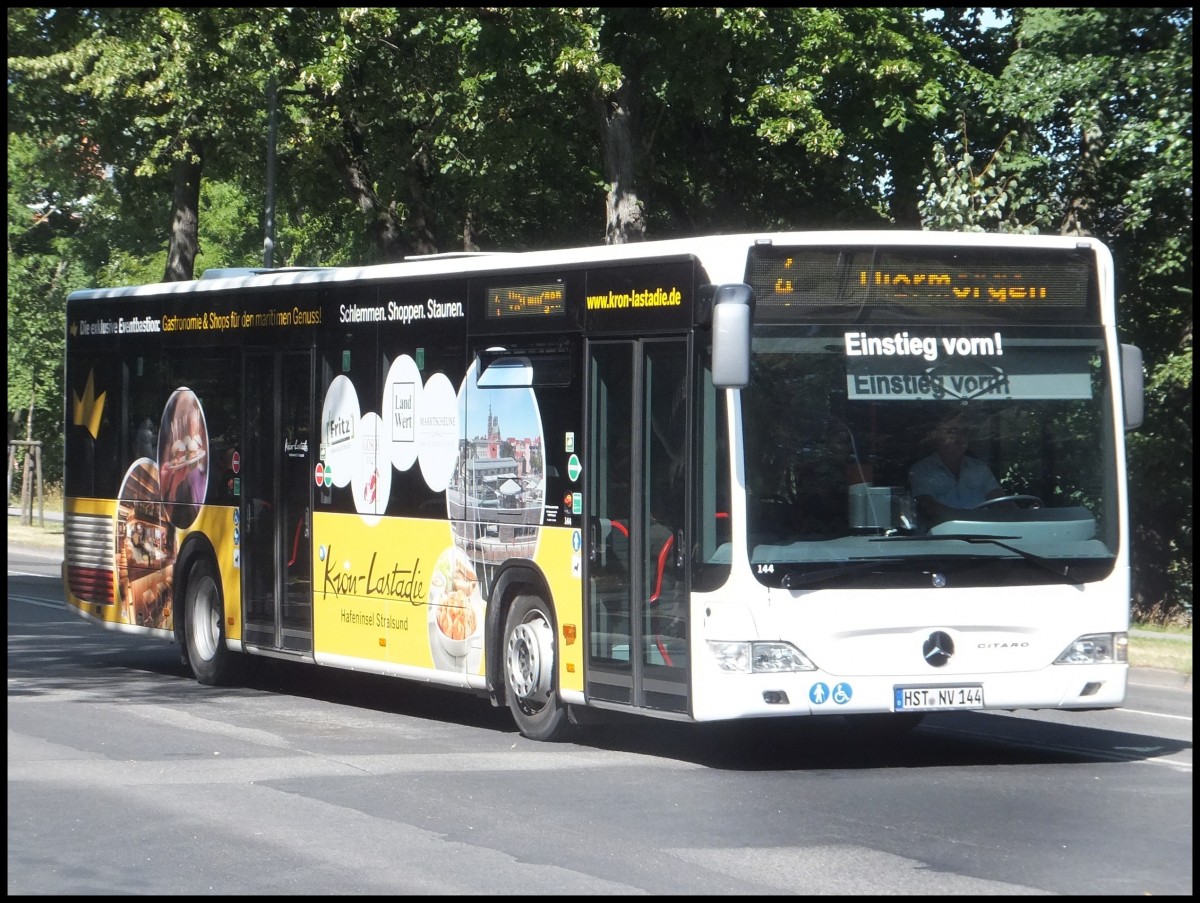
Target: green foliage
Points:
x,y
1097,105
40,275
993,198
230,231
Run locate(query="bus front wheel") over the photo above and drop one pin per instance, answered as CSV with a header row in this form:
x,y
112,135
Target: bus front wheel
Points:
x,y
204,611
529,668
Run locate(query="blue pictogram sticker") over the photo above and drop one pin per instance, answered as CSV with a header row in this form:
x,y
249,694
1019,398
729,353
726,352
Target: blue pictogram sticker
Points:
x,y
842,693
818,693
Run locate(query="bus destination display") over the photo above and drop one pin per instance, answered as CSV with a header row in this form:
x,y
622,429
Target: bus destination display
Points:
x,y
864,277
538,300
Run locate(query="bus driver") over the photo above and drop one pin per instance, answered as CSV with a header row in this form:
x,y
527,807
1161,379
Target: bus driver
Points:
x,y
949,476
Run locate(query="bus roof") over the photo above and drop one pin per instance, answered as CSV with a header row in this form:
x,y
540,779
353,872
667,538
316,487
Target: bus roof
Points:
x,y
723,257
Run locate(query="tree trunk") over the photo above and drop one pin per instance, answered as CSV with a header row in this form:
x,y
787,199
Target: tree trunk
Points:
x,y
1079,216
27,467
624,222
420,215
380,219
185,214
904,203
469,233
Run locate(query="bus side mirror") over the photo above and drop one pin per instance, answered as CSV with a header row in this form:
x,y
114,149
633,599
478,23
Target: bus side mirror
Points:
x,y
731,314
1133,386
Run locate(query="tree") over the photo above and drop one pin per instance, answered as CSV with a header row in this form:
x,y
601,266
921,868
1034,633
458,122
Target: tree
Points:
x,y
963,195
867,89
162,93
445,127
1102,99
44,243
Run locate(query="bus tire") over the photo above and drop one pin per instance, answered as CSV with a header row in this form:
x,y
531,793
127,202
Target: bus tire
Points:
x,y
204,627
529,654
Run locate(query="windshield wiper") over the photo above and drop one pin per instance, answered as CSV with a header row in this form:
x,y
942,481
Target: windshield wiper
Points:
x,y
975,538
793,580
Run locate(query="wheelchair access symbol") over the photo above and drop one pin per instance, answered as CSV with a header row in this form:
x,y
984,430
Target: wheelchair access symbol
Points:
x,y
819,693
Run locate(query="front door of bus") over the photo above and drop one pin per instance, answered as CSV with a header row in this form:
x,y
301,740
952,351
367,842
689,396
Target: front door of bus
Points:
x,y
276,501
638,468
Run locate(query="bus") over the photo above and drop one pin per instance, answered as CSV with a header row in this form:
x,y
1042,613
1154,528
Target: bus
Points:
x,y
669,478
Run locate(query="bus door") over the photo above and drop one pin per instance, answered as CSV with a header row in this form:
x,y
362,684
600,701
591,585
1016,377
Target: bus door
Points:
x,y
276,508
636,571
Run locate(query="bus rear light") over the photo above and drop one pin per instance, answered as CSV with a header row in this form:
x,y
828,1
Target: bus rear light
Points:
x,y
759,658
1096,649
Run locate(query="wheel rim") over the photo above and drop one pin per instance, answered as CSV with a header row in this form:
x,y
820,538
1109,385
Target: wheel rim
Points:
x,y
205,618
530,661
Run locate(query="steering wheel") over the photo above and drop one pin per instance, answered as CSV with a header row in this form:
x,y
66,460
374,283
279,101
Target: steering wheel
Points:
x,y
1024,501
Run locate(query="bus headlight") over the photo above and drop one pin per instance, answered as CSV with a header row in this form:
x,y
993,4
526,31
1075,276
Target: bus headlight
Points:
x,y
1096,649
758,658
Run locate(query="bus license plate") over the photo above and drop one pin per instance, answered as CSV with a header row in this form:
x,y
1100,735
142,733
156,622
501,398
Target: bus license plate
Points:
x,y
927,699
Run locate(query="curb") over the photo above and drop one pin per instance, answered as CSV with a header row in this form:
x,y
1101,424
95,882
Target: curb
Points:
x,y
14,511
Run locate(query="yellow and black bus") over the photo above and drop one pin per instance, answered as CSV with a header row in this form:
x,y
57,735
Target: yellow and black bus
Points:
x,y
674,478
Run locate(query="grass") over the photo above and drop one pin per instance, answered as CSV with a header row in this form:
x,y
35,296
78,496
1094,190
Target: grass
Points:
x,y
1169,649
52,496
50,536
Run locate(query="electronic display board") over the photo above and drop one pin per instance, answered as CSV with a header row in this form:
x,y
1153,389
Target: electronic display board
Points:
x,y
536,300
1026,283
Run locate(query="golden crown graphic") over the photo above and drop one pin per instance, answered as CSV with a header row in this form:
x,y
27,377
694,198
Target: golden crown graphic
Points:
x,y
88,411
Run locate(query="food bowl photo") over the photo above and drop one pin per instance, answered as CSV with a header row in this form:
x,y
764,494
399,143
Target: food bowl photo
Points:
x,y
455,605
457,621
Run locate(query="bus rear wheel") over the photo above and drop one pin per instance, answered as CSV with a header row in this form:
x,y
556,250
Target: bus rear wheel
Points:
x,y
204,613
529,670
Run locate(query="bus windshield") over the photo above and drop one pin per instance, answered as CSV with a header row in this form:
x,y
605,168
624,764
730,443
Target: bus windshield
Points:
x,y
846,483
